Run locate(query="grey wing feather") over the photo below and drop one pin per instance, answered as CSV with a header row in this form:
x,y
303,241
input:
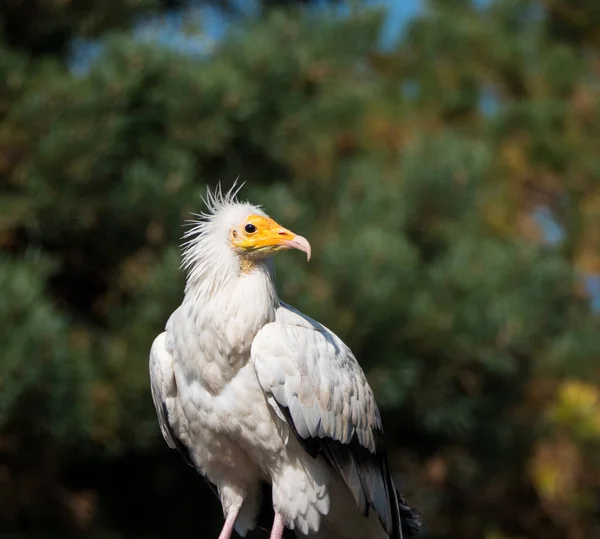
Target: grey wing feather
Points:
x,y
324,396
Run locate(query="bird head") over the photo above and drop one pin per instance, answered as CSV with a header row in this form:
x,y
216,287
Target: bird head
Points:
x,y
231,234
256,235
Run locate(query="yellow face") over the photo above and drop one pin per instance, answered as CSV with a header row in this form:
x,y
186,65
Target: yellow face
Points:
x,y
262,235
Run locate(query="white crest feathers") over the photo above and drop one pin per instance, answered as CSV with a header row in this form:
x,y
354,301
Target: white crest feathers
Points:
x,y
206,250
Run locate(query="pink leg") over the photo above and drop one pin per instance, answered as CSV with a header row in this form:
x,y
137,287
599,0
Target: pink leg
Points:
x,y
228,526
278,527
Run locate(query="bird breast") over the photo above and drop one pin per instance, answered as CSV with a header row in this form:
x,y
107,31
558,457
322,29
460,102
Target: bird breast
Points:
x,y
212,337
225,410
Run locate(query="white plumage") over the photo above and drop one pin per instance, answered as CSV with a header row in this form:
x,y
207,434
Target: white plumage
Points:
x,y
268,404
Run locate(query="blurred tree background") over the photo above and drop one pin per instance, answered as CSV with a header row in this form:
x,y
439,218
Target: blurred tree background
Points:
x,y
448,180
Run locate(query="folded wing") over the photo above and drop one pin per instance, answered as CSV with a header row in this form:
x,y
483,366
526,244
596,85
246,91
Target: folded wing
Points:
x,y
164,393
315,384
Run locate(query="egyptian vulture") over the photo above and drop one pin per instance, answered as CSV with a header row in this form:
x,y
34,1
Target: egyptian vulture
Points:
x,y
270,406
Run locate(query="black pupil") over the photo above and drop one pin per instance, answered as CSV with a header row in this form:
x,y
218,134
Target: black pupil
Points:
x,y
250,228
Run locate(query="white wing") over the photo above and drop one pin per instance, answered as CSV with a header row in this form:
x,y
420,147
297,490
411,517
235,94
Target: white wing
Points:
x,y
164,392
315,384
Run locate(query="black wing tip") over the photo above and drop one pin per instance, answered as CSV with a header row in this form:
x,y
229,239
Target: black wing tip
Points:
x,y
349,459
411,520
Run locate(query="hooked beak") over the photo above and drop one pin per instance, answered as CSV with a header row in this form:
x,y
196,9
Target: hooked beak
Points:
x,y
298,242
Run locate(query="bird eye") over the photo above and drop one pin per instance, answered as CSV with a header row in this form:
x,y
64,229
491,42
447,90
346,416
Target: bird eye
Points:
x,y
250,228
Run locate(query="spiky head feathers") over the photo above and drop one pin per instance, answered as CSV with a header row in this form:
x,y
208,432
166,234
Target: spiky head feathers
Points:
x,y
233,236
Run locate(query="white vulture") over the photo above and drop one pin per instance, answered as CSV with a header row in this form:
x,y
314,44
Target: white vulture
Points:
x,y
267,404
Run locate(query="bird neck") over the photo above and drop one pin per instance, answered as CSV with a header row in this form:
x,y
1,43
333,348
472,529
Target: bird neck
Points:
x,y
235,281
237,301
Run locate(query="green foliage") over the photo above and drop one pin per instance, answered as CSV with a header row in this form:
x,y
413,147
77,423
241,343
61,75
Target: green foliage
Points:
x,y
42,27
39,377
428,262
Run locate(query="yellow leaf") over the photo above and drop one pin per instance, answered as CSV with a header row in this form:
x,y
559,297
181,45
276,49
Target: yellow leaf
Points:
x,y
577,407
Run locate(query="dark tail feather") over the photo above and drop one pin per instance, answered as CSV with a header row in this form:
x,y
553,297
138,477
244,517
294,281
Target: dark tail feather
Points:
x,y
411,520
